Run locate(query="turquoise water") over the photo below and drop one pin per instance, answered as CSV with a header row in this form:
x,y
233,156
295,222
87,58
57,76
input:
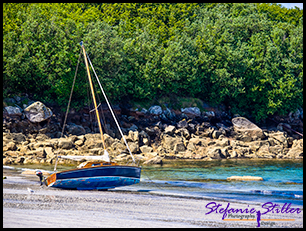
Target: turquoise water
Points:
x,y
283,180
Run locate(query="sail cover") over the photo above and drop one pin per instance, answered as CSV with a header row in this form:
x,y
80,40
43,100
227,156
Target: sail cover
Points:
x,y
104,157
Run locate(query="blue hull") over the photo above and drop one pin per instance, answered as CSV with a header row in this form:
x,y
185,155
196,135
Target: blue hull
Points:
x,y
105,177
91,183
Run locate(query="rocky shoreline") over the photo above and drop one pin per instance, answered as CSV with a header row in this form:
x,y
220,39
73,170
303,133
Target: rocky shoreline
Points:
x,y
153,135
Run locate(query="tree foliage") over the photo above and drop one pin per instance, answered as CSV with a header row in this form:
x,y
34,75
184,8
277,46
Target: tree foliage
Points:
x,y
247,56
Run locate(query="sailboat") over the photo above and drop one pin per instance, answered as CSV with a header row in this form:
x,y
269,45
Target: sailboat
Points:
x,y
98,172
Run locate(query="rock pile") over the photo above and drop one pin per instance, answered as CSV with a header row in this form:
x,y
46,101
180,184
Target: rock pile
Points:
x,y
152,135
188,142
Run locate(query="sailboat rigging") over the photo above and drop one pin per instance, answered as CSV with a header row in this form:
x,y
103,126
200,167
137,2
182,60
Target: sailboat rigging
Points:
x,y
96,175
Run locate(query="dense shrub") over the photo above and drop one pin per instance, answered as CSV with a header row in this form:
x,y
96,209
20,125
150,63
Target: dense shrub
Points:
x,y
247,56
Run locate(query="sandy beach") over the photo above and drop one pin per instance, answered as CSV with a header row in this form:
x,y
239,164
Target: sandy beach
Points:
x,y
56,208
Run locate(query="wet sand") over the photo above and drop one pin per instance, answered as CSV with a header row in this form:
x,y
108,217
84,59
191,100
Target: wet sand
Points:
x,y
57,208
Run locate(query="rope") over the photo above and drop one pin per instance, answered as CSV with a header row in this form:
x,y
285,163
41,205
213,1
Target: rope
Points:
x,y
111,109
76,71
93,97
151,180
88,97
71,94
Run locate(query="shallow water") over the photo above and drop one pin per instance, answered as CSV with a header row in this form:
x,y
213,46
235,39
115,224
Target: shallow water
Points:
x,y
283,180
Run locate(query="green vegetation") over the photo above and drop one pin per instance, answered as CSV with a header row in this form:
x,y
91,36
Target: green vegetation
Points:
x,y
246,56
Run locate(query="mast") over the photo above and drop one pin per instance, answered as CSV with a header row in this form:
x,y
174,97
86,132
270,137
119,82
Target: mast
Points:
x,y
93,96
111,110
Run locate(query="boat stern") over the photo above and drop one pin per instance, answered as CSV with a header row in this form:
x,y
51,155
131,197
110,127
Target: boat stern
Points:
x,y
50,180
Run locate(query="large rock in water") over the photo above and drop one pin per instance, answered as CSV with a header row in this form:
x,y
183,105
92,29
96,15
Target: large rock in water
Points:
x,y
247,128
37,112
